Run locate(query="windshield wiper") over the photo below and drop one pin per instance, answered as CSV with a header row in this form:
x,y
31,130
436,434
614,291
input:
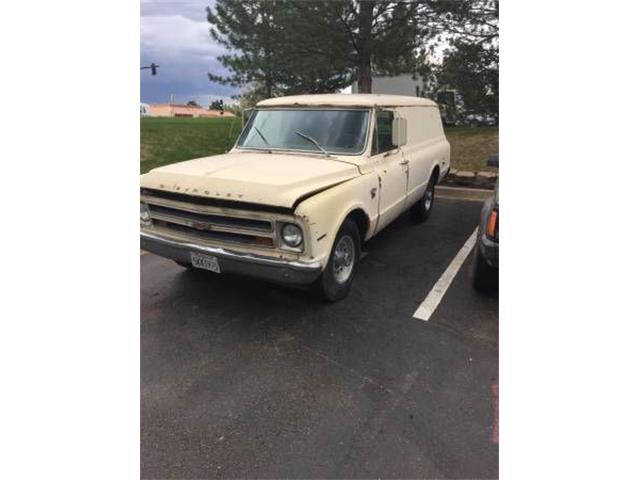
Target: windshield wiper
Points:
x,y
261,136
312,140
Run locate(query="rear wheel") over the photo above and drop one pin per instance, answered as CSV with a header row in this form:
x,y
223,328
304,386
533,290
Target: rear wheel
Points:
x,y
422,209
335,282
485,277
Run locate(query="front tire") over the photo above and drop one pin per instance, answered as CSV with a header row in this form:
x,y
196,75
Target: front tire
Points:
x,y
422,209
335,282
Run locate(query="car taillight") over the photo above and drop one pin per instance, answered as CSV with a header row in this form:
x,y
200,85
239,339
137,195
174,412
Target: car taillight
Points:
x,y
492,226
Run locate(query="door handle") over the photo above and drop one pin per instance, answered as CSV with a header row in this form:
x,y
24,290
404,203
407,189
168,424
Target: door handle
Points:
x,y
404,162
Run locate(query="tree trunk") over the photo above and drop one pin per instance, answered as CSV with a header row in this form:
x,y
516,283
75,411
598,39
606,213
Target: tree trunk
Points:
x,y
364,76
365,20
268,85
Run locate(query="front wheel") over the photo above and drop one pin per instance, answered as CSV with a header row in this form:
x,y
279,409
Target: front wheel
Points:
x,y
335,282
422,209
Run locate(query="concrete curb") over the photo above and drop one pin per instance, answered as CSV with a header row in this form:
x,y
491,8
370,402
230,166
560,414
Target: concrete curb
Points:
x,y
460,193
462,178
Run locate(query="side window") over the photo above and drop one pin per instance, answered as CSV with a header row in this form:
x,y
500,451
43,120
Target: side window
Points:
x,y
382,138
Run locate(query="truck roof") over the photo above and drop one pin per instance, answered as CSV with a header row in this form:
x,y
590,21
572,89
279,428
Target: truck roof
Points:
x,y
347,100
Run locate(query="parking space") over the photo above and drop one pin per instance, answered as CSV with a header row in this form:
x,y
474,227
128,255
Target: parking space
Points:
x,y
241,378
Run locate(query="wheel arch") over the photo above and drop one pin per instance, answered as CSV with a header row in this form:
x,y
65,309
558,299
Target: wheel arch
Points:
x,y
435,170
326,212
360,218
362,221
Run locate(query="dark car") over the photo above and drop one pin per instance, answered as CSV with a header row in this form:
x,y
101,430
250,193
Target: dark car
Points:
x,y
485,269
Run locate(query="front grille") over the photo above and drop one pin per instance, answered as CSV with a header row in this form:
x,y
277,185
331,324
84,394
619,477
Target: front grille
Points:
x,y
215,235
212,220
191,220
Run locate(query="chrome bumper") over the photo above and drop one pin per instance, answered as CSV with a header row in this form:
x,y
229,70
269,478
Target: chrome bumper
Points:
x,y
293,272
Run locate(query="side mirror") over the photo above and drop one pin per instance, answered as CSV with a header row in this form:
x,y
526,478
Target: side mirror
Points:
x,y
493,161
399,131
246,113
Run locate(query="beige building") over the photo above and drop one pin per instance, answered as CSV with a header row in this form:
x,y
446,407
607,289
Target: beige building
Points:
x,y
177,110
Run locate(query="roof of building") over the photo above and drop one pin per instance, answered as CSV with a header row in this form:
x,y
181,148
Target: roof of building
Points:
x,y
178,105
348,100
177,108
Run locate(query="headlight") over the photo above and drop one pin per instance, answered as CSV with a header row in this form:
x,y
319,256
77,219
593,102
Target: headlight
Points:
x,y
145,214
291,234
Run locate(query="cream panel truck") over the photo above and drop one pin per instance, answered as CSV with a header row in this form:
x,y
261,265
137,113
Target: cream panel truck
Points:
x,y
309,180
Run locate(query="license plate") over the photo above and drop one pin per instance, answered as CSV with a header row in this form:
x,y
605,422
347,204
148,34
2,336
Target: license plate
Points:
x,y
205,262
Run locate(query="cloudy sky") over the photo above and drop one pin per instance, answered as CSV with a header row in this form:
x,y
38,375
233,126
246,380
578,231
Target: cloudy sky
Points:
x,y
175,35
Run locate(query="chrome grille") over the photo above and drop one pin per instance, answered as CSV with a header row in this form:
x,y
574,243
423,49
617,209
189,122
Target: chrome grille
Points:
x,y
188,220
180,216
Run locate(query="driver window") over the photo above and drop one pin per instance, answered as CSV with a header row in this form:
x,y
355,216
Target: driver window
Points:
x,y
382,139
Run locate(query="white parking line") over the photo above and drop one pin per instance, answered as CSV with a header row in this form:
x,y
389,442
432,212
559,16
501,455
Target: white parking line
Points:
x,y
429,305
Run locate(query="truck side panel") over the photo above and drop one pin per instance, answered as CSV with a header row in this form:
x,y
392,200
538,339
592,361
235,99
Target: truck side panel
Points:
x,y
426,148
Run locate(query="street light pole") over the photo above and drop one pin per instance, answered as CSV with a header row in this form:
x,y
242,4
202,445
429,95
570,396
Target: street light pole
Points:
x,y
153,68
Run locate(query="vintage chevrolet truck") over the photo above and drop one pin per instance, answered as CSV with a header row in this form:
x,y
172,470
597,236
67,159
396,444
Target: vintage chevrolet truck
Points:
x,y
309,180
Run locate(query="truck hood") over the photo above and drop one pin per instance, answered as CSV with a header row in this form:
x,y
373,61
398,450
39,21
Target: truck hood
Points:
x,y
273,179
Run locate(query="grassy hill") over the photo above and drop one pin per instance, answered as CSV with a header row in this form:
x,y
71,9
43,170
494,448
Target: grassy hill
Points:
x,y
169,140
471,147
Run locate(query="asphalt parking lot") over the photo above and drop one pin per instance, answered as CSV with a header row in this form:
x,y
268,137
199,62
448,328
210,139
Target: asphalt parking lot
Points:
x,y
241,378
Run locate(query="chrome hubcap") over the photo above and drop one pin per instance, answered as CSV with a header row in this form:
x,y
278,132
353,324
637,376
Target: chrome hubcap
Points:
x,y
343,259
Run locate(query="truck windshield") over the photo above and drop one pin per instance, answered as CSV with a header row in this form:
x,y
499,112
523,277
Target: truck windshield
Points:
x,y
335,131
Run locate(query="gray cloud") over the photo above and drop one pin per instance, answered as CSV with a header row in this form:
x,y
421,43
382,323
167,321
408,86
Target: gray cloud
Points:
x,y
175,35
194,10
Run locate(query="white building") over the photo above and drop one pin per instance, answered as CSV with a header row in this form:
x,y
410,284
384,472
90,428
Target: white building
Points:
x,y
399,85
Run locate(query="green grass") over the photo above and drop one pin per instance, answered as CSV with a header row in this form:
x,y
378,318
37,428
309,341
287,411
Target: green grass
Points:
x,y
169,140
471,147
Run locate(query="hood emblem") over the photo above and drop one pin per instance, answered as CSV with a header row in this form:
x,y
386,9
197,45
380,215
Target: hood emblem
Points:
x,y
200,225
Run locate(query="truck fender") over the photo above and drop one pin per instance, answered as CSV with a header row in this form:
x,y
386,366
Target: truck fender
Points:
x,y
325,212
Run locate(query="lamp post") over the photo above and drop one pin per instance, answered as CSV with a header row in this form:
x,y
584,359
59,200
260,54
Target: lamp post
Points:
x,y
153,68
